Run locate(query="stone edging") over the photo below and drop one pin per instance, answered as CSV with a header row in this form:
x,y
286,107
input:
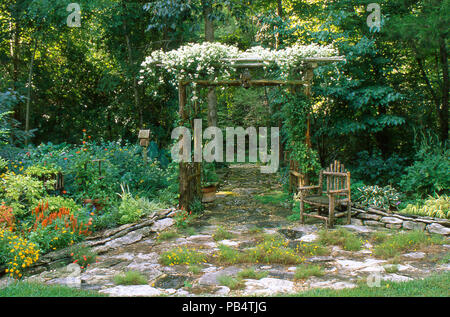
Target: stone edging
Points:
x,y
375,217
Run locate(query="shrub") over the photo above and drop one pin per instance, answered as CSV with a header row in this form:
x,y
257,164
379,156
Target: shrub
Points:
x,y
432,207
130,278
429,173
54,230
83,256
6,217
375,170
21,192
16,253
381,197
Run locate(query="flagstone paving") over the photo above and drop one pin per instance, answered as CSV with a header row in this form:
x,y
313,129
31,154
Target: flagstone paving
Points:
x,y
237,211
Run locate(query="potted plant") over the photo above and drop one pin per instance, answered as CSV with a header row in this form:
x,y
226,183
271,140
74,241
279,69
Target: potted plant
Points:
x,y
209,183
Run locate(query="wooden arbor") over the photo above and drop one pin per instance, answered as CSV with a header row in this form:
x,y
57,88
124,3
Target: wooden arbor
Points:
x,y
190,172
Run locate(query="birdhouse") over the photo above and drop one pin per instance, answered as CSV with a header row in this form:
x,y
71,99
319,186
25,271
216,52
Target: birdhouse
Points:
x,y
144,138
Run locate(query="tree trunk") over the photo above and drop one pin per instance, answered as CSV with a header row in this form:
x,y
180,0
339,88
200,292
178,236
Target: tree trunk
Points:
x,y
30,78
443,111
209,37
132,72
278,37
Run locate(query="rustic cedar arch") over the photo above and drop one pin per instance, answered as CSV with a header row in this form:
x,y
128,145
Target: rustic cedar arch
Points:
x,y
190,173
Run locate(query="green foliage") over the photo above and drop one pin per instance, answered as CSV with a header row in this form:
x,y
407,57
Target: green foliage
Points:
x,y
22,192
307,270
406,241
26,289
341,237
130,278
182,255
429,172
132,209
250,273
433,286
382,197
432,207
222,234
83,256
209,175
231,282
374,170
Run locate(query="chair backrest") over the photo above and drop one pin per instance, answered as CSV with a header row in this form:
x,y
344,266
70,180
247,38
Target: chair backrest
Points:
x,y
338,178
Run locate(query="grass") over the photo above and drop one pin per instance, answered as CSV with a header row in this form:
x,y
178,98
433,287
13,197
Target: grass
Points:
x,y
230,282
238,282
255,230
271,249
391,268
305,270
222,234
195,269
341,237
274,198
250,273
130,278
25,289
434,286
393,245
167,235
182,255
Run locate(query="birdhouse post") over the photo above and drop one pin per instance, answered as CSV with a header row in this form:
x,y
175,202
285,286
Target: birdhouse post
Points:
x,y
144,141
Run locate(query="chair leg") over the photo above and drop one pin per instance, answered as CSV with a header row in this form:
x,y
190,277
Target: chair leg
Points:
x,y
349,213
331,212
302,207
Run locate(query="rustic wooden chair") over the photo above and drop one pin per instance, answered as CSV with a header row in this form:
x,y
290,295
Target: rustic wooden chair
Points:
x,y
337,194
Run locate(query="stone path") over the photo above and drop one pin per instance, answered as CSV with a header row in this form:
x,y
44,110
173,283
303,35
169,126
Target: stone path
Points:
x,y
237,211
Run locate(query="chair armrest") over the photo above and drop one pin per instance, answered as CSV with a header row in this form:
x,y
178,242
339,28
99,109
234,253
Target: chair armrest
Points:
x,y
307,187
338,191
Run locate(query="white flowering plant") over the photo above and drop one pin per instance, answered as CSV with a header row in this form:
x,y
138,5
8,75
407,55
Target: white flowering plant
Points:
x,y
213,61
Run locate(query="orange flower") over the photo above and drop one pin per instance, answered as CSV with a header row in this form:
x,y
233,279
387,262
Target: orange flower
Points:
x,y
89,136
77,152
84,142
84,130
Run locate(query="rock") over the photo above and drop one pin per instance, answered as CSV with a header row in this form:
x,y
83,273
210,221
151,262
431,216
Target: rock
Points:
x,y
367,216
439,229
291,234
182,292
412,225
373,223
6,281
222,291
317,259
162,224
333,284
71,281
395,278
393,226
357,228
391,220
268,286
199,237
152,270
292,269
356,222
309,237
127,239
211,278
97,276
369,265
132,291
414,255
229,243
